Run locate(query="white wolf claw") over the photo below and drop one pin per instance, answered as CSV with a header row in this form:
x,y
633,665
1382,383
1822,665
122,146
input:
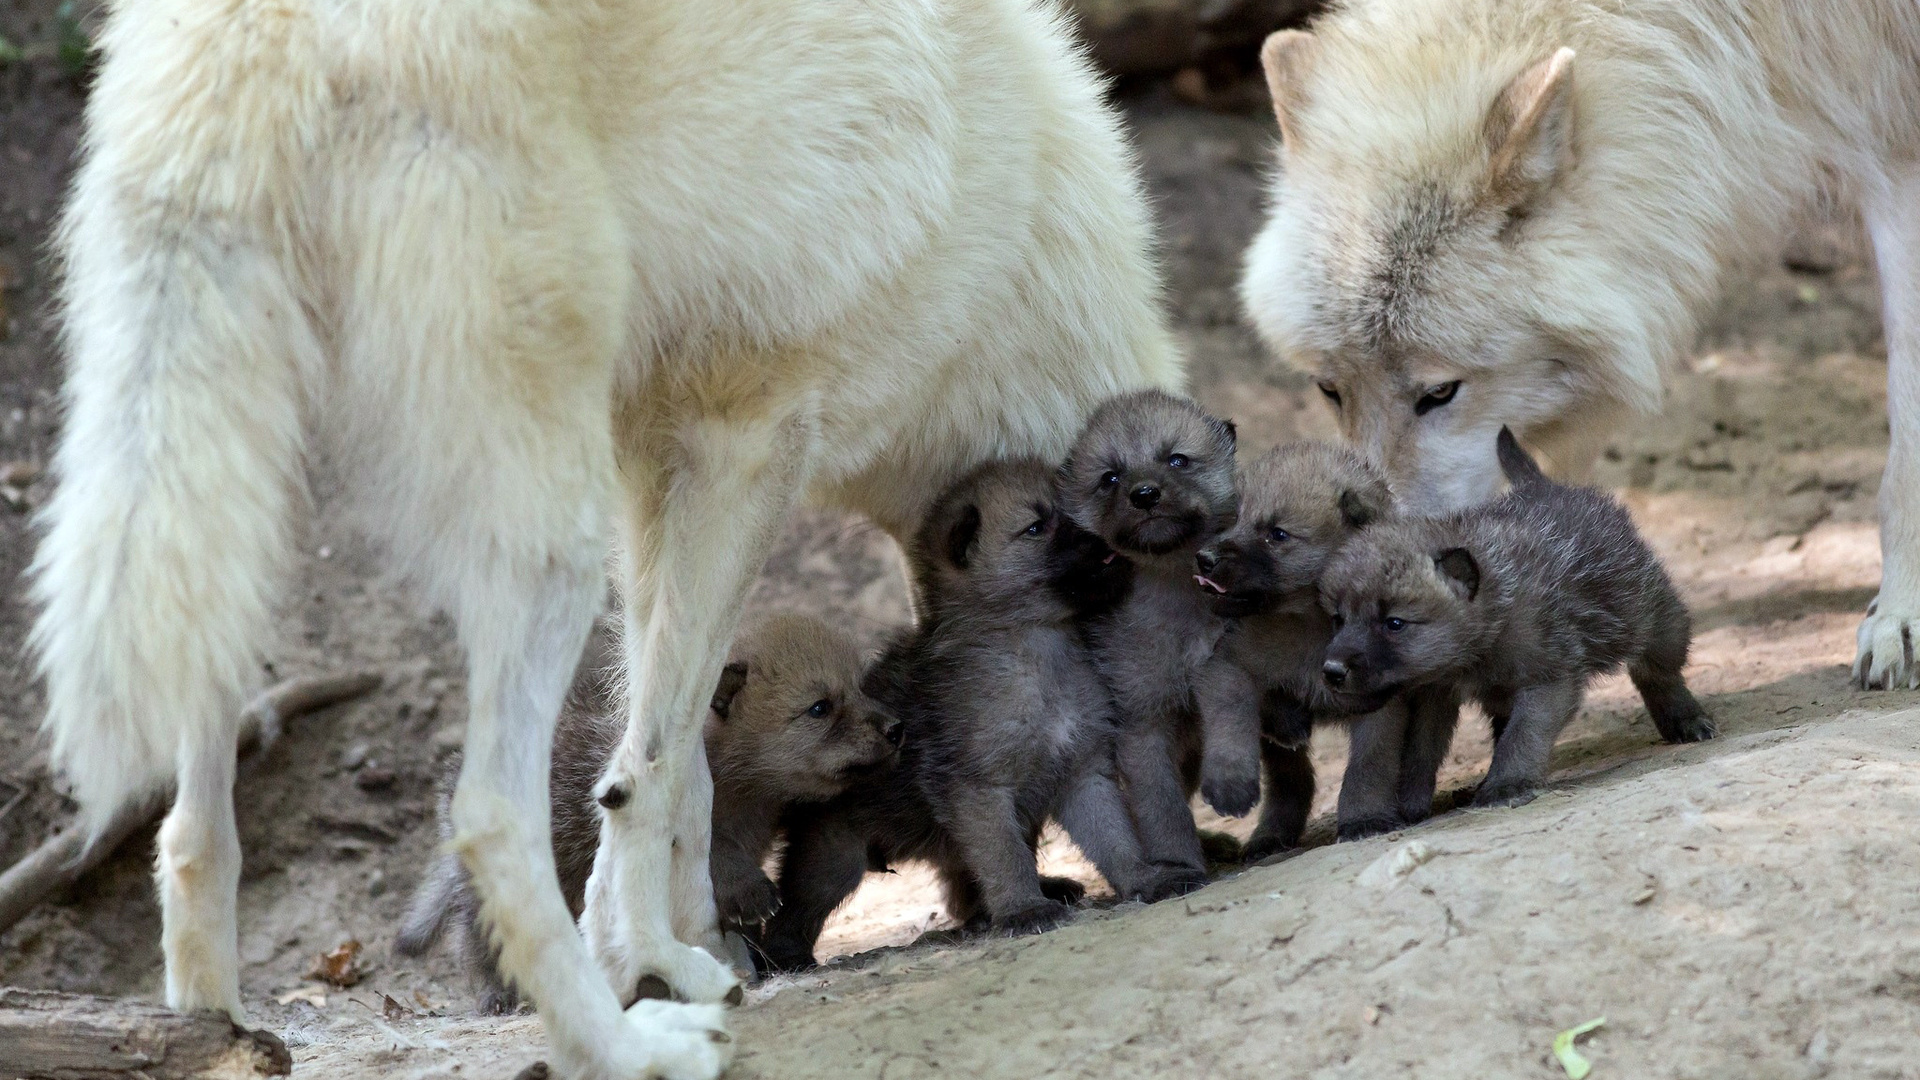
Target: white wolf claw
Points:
x,y
1885,657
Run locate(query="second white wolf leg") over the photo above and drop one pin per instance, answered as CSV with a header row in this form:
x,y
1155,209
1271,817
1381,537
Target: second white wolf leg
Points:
x,y
1885,656
708,495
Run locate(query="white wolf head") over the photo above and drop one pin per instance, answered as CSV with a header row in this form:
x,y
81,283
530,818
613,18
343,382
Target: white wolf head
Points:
x,y
1463,236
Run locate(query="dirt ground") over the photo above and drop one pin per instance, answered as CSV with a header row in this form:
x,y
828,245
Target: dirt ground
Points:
x,y
1742,909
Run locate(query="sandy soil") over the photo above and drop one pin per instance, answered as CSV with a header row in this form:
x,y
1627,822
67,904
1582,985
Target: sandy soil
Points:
x,y
1739,909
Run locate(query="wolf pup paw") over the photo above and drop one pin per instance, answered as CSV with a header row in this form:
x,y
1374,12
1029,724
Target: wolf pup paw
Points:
x,y
1232,793
1037,919
1062,889
1366,827
1505,795
750,904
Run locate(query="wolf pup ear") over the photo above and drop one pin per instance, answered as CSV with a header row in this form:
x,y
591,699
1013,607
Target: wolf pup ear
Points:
x,y
1228,430
1529,133
1287,57
732,678
960,538
1359,509
1458,566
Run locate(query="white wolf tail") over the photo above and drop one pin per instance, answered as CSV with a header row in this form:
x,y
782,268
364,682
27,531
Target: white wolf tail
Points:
x,y
178,472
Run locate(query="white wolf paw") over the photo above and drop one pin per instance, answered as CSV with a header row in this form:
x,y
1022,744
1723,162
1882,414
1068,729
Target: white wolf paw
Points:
x,y
689,972
659,1040
1885,657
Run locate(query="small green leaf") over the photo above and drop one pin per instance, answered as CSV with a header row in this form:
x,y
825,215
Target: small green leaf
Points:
x,y
1577,1067
71,45
9,53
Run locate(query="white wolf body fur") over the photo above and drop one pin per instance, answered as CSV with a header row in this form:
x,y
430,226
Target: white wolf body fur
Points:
x,y
538,277
1427,228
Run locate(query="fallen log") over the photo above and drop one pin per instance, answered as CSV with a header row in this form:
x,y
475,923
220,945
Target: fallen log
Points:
x,y
51,1036
66,857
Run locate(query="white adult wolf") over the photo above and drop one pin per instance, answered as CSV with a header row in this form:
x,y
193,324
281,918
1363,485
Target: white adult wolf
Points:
x,y
538,277
1514,212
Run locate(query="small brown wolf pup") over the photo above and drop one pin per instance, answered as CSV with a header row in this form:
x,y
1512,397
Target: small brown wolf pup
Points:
x,y
1263,689
1153,475
789,724
1008,724
1518,603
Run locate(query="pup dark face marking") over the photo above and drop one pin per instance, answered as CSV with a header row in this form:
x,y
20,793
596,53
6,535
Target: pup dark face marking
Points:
x,y
1152,474
1299,503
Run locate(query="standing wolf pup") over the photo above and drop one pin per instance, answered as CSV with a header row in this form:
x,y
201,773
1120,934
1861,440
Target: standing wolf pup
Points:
x,y
1259,695
788,724
1153,475
1517,603
1515,212
1008,724
538,277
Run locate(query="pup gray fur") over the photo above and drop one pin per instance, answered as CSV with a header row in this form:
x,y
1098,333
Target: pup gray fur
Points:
x,y
789,724
1008,724
1263,688
1153,475
1517,603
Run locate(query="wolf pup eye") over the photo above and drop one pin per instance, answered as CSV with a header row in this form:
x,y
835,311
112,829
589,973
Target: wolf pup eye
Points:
x,y
1109,479
1277,534
1396,625
1037,527
820,708
1332,392
1177,461
1435,397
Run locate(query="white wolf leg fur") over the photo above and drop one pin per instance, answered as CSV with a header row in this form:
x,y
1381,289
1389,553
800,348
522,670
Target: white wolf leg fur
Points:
x,y
198,874
702,528
696,920
1885,659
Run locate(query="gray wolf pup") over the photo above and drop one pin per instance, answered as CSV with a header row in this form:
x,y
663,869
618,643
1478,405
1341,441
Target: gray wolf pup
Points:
x,y
1518,604
1153,475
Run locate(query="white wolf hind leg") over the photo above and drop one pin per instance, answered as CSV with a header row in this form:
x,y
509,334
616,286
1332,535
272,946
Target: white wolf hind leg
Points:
x,y
1885,657
198,875
695,535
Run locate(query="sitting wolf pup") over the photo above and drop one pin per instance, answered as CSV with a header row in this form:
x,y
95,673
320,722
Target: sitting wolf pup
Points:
x,y
1263,688
1153,476
789,724
1008,724
1517,603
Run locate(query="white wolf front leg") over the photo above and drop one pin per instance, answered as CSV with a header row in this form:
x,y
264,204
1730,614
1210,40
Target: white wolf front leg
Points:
x,y
1885,659
708,496
523,639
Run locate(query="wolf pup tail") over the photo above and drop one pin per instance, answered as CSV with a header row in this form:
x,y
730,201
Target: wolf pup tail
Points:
x,y
432,903
179,470
1522,472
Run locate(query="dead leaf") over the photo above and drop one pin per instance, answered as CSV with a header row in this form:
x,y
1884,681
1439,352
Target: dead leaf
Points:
x,y
341,967
422,999
393,1010
313,994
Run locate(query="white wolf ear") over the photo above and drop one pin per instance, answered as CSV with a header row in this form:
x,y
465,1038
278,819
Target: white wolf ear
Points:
x,y
1288,57
1529,132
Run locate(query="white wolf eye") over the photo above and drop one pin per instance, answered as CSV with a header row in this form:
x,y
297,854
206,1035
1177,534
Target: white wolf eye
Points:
x,y
1332,392
1435,397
